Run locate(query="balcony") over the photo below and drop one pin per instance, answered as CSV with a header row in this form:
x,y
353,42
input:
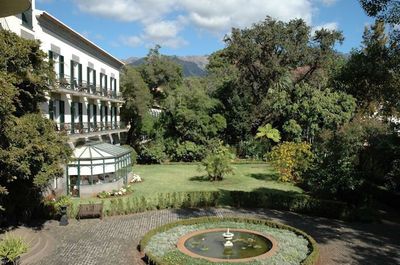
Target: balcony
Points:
x,y
79,129
86,89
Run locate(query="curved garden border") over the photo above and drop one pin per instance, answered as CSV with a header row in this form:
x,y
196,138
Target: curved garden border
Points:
x,y
269,253
312,257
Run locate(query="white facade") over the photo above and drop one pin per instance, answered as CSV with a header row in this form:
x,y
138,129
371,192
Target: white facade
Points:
x,y
85,101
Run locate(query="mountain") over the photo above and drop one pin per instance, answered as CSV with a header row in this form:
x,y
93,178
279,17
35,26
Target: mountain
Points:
x,y
192,65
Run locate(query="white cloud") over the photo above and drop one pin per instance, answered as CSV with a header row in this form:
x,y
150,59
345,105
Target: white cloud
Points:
x,y
328,26
127,10
220,15
164,33
133,41
329,2
162,25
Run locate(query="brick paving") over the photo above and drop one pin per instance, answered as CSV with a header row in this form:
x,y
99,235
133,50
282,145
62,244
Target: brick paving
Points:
x,y
114,240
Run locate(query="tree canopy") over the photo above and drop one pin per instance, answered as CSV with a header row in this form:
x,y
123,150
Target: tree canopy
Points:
x,y
31,151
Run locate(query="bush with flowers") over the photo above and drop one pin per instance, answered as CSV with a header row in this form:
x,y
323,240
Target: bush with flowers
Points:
x,y
127,189
136,178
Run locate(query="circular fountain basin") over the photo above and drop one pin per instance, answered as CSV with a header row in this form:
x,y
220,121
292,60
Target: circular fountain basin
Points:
x,y
209,244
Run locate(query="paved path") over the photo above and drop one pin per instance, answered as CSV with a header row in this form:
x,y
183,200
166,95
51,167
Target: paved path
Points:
x,y
114,240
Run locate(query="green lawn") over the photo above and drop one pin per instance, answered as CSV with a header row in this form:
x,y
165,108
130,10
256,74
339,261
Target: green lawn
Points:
x,y
188,177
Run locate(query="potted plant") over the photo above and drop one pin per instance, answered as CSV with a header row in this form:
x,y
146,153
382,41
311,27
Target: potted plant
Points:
x,y
11,249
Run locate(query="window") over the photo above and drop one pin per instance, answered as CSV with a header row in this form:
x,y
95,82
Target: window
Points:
x,y
76,117
91,79
58,63
103,84
76,75
113,86
26,18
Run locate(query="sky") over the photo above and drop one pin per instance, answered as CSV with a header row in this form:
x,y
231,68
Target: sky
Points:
x,y
127,28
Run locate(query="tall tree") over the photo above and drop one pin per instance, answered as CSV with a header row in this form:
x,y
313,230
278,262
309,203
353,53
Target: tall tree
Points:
x,y
263,58
31,151
191,114
160,73
138,101
387,10
26,68
371,74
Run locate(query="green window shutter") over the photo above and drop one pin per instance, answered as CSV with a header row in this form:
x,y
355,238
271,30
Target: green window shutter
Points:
x,y
80,112
72,74
62,112
111,115
95,114
51,109
80,74
94,78
61,66
101,81
106,114
105,82
101,113
87,75
51,55
88,113
72,117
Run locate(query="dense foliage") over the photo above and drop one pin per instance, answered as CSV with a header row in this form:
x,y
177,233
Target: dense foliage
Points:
x,y
31,151
292,160
217,163
280,81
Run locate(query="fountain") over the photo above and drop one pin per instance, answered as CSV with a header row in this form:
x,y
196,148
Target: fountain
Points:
x,y
228,238
211,240
221,245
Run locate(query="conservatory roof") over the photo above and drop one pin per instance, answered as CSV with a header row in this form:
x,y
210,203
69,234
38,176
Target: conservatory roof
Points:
x,y
99,150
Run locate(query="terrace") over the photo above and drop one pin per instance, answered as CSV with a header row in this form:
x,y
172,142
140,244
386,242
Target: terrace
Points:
x,y
91,128
73,86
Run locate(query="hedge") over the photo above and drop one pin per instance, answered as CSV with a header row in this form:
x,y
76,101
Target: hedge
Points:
x,y
311,259
272,199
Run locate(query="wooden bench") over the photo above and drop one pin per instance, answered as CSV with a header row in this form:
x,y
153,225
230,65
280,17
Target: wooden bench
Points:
x,y
90,210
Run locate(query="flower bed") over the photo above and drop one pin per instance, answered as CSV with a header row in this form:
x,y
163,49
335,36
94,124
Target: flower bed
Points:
x,y
128,189
295,246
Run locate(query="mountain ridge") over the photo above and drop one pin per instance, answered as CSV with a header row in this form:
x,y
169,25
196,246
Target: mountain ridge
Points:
x,y
192,65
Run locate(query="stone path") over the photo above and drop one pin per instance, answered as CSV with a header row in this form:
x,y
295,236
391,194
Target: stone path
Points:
x,y
114,240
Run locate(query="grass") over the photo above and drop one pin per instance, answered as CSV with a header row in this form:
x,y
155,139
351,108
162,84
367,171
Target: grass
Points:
x,y
188,177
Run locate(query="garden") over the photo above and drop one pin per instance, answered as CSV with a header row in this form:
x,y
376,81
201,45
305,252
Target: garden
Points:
x,y
281,121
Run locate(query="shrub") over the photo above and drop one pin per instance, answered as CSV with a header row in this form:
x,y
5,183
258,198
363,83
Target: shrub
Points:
x,y
12,247
53,205
218,162
273,199
152,153
125,190
346,159
188,152
252,149
292,160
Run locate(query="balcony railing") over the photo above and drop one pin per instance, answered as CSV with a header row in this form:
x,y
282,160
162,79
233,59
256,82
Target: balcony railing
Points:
x,y
87,88
89,127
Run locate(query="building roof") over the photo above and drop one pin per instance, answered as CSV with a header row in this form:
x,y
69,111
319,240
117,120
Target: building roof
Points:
x,y
49,18
99,150
13,7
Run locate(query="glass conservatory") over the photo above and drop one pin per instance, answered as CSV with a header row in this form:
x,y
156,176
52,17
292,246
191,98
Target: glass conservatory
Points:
x,y
97,167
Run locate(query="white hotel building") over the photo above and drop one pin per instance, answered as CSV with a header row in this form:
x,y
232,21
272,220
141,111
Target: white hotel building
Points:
x,y
85,102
